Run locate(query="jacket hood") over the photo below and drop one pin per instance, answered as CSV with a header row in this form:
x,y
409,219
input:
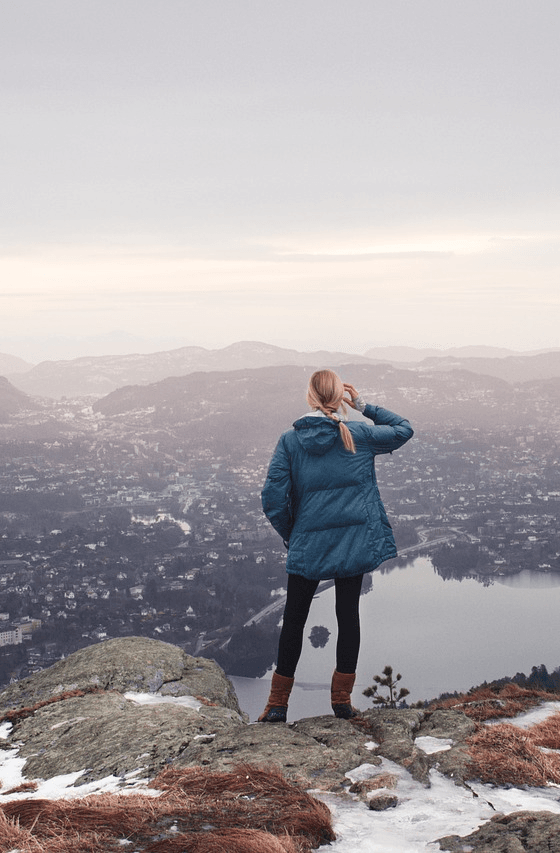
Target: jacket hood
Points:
x,y
316,434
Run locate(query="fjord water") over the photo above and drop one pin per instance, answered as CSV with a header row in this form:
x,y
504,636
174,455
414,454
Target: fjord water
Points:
x,y
441,635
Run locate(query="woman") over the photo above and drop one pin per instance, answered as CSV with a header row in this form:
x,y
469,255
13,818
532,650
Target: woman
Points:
x,y
321,496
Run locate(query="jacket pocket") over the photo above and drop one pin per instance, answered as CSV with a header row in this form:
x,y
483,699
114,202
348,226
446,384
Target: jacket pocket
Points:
x,y
325,509
338,552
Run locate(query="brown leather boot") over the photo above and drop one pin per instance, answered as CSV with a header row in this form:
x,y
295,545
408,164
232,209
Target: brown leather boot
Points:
x,y
341,688
277,705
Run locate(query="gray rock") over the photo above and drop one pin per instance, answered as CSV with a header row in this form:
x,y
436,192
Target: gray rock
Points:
x,y
446,724
382,802
456,726
382,780
128,664
394,731
520,832
316,752
106,734
454,763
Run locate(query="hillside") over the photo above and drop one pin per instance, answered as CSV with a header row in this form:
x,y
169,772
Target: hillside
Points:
x,y
416,354
13,364
250,406
511,368
12,400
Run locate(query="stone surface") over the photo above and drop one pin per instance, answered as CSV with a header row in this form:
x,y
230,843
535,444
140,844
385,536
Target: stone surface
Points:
x,y
128,664
394,731
382,802
383,780
317,751
520,832
446,724
106,734
457,727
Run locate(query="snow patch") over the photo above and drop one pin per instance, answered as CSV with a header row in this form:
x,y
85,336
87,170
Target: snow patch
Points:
x,y
532,717
157,699
429,745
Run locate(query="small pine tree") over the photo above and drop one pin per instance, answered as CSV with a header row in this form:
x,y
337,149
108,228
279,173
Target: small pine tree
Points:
x,y
386,680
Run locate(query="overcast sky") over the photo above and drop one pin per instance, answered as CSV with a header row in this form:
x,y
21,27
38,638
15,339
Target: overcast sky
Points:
x,y
312,174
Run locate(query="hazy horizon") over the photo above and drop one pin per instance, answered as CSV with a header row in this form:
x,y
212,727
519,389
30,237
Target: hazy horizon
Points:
x,y
316,176
114,345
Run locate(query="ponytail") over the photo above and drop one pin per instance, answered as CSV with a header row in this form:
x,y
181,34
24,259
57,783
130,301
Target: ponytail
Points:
x,y
325,392
347,437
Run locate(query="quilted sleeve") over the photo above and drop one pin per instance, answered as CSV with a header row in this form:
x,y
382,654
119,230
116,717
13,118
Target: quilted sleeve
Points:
x,y
276,494
390,431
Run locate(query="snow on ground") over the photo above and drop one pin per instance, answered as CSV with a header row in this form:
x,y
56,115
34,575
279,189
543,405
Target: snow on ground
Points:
x,y
156,699
531,718
430,745
422,815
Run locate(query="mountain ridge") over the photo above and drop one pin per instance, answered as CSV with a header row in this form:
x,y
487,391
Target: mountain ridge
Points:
x,y
97,376
416,354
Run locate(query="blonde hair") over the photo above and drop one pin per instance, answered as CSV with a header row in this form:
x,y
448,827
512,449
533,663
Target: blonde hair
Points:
x,y
325,393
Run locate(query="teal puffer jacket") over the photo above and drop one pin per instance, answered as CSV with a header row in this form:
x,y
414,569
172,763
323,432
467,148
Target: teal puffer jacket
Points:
x,y
324,501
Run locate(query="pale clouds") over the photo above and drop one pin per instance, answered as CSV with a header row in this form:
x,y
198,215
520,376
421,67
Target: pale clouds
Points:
x,y
301,174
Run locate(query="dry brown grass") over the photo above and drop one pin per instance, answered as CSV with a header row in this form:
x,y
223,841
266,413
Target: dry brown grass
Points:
x,y
16,714
504,754
485,703
249,810
25,786
230,841
547,733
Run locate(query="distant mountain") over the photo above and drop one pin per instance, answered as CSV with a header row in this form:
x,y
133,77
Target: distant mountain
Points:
x,y
99,375
412,355
227,412
12,400
511,368
13,364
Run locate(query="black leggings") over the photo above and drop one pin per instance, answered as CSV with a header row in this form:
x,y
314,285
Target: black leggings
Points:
x,y
298,601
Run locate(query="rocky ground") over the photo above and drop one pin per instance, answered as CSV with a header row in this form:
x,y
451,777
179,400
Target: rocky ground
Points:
x,y
139,705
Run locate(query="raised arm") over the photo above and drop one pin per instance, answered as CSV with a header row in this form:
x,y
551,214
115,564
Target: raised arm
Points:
x,y
390,431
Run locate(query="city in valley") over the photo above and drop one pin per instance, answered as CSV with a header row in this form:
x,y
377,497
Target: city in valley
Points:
x,y
138,513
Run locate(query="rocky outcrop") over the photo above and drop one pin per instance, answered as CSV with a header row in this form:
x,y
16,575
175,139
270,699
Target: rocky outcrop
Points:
x,y
89,714
130,664
317,752
399,736
521,832
108,734
136,707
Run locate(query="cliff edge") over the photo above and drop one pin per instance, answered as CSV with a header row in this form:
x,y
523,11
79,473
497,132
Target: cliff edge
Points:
x,y
135,708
